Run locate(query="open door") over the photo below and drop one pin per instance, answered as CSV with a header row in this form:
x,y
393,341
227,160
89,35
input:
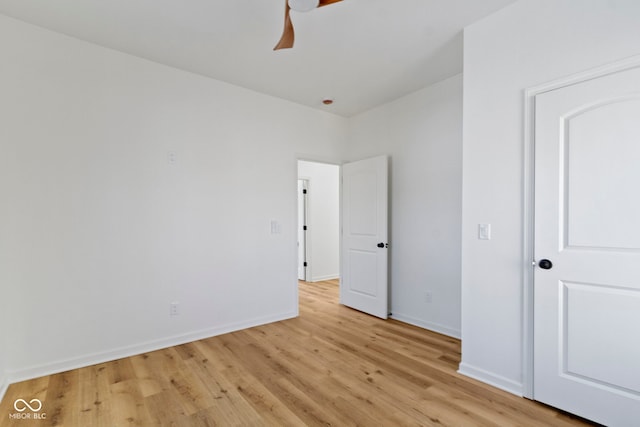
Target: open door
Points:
x,y
302,229
363,284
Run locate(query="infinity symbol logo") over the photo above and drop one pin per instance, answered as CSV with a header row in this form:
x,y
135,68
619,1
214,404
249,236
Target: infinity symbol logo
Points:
x,y
25,405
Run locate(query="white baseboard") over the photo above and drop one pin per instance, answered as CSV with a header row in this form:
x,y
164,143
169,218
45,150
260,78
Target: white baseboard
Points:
x,y
435,327
128,351
322,278
492,379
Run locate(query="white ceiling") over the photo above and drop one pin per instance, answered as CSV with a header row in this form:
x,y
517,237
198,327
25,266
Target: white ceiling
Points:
x,y
362,53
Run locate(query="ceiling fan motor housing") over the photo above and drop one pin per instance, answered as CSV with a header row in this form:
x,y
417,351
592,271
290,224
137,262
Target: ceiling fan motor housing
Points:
x,y
303,5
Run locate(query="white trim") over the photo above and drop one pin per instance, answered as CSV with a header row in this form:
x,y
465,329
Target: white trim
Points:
x,y
435,327
528,235
591,74
326,277
128,351
528,201
309,237
492,379
306,183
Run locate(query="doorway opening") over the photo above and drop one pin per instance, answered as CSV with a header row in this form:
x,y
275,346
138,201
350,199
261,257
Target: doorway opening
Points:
x,y
318,221
347,230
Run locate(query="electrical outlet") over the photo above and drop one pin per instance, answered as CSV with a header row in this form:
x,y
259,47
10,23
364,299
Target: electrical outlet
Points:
x,y
174,309
428,297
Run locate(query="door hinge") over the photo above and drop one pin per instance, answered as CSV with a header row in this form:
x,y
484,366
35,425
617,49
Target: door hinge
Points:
x,y
304,264
304,191
304,228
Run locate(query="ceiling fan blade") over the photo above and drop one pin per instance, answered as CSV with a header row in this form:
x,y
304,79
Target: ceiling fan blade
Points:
x,y
327,2
286,41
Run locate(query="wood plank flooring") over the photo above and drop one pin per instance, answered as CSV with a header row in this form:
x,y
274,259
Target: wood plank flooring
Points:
x,y
332,366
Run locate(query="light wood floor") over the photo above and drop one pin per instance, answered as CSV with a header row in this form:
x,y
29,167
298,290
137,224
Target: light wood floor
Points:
x,y
332,366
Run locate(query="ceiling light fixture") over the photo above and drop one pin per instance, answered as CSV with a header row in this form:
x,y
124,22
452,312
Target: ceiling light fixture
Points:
x,y
286,41
303,5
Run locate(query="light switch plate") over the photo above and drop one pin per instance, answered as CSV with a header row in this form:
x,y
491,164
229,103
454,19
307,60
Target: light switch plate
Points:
x,y
484,231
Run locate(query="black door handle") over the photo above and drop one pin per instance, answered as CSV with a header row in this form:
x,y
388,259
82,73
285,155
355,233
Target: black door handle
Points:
x,y
545,264
382,245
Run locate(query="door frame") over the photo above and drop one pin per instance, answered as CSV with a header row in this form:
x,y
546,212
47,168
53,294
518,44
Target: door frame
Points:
x,y
306,183
528,203
327,161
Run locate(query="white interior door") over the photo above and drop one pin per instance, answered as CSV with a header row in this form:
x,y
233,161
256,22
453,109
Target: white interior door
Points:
x,y
302,229
587,226
363,283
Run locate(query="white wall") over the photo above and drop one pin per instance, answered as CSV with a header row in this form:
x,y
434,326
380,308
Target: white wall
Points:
x,y
323,221
526,44
100,233
422,135
4,381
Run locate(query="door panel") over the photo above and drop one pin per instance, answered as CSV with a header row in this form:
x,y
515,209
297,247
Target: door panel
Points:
x,y
363,272
363,284
362,218
587,223
600,158
595,331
